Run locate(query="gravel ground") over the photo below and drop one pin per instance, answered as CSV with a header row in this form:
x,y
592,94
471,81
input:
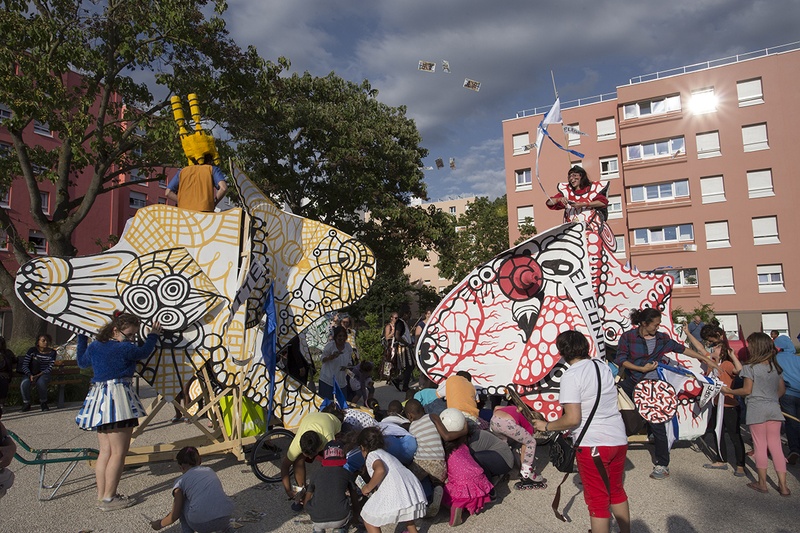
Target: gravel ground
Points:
x,y
690,500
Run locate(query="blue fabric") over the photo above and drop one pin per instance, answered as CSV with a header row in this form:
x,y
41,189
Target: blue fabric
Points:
x,y
784,344
339,396
46,361
544,131
790,363
269,339
403,448
791,406
113,359
425,396
41,384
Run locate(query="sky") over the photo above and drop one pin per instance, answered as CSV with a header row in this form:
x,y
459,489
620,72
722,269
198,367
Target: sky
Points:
x,y
510,46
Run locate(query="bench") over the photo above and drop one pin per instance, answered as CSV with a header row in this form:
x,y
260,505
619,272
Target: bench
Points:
x,y
65,372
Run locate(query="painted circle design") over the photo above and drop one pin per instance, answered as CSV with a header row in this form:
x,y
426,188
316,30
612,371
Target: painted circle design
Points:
x,y
520,277
656,400
171,318
140,300
173,290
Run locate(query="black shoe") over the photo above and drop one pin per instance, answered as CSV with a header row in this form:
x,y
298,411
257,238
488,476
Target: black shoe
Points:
x,y
45,407
396,383
26,407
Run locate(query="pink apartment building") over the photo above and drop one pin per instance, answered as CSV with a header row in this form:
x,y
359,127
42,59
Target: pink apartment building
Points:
x,y
703,185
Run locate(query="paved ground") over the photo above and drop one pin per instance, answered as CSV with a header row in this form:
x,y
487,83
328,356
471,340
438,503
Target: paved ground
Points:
x,y
691,500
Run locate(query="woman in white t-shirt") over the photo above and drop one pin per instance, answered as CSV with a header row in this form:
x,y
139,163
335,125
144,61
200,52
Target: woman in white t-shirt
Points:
x,y
605,436
336,357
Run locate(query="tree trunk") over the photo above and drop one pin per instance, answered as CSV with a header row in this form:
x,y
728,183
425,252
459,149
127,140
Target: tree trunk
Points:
x,y
25,327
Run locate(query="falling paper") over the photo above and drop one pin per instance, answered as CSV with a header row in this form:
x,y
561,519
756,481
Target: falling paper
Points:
x,y
439,163
445,66
427,66
453,163
426,168
472,85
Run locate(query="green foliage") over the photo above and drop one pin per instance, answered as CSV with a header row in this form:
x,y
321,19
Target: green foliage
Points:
x,y
526,231
112,118
369,340
483,234
705,311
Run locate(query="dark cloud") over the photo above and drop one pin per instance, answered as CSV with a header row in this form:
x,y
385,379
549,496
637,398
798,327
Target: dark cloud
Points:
x,y
510,47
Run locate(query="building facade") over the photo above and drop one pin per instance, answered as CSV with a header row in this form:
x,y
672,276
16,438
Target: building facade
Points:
x,y
702,181
426,272
105,220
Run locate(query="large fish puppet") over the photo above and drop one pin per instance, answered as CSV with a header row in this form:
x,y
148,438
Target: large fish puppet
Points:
x,y
205,277
500,323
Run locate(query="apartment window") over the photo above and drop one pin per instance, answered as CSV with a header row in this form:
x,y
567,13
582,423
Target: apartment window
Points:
x,y
708,145
620,240
5,112
712,189
666,234
609,167
754,137
162,183
5,199
765,230
749,92
38,242
4,241
770,278
137,200
5,149
453,210
759,183
162,201
660,191
524,215
654,149
615,207
653,107
572,137
523,178
776,321
606,129
44,197
685,277
703,101
717,235
427,282
721,280
522,143
730,324
42,128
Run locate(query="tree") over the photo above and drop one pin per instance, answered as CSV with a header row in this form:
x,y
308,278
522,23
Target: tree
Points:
x,y
331,151
88,73
482,234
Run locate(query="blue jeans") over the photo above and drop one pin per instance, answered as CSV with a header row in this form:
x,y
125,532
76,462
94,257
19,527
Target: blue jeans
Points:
x,y
41,386
791,406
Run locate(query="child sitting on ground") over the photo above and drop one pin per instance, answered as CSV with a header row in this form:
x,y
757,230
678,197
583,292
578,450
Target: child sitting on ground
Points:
x,y
326,498
198,499
508,423
395,495
467,487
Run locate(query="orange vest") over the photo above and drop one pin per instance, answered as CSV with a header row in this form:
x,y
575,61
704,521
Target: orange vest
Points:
x,y
196,188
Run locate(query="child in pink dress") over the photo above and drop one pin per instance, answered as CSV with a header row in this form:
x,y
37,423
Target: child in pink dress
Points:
x,y
467,486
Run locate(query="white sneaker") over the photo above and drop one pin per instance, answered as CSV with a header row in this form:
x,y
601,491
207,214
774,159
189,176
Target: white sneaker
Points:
x,y
660,472
119,502
436,502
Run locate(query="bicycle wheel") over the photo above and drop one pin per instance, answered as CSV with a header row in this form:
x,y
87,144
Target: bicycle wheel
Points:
x,y
267,453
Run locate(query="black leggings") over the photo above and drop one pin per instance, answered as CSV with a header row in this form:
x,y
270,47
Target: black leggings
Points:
x,y
731,425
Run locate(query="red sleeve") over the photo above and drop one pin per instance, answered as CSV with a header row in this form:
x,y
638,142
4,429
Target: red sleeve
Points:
x,y
557,207
600,198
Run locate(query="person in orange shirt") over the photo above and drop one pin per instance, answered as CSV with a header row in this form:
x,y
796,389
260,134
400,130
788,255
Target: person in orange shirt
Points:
x,y
198,187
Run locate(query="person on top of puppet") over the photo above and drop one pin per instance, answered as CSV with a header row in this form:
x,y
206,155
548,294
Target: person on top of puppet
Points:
x,y
199,187
580,195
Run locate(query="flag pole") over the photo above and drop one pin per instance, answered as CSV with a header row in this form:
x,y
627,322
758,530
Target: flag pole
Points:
x,y
566,137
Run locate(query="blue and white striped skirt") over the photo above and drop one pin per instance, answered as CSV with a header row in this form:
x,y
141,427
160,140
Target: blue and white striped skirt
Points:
x,y
109,402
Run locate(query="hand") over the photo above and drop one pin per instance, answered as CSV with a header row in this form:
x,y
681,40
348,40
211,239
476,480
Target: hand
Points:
x,y
712,364
539,424
156,328
155,524
649,367
726,390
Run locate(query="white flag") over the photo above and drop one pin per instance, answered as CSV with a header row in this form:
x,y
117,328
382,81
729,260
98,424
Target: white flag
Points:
x,y
552,117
